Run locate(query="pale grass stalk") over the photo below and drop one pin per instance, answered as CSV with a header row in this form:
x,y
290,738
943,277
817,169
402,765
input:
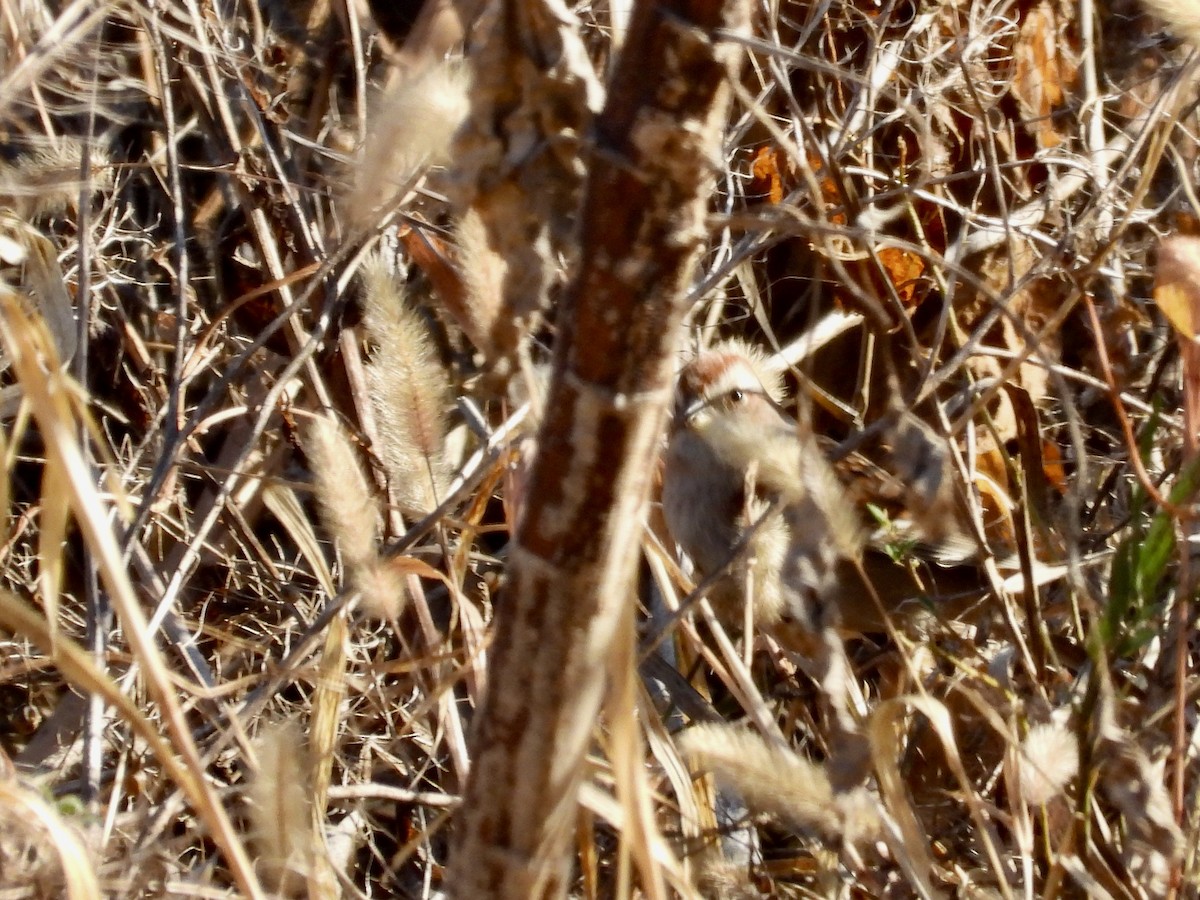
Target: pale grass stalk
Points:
x,y
52,536
905,836
695,820
885,729
451,727
1022,834
606,807
410,389
283,503
736,676
627,752
324,725
6,464
41,283
694,801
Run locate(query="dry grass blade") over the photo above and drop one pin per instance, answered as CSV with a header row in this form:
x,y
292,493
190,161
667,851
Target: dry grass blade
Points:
x,y
40,280
324,725
604,806
885,725
33,361
641,835
968,227
286,507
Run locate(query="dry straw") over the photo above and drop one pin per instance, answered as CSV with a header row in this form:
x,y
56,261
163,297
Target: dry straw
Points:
x,y
26,816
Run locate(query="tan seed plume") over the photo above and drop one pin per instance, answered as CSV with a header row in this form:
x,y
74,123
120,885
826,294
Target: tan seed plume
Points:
x,y
413,124
280,811
778,782
45,180
350,513
409,388
1181,16
1049,760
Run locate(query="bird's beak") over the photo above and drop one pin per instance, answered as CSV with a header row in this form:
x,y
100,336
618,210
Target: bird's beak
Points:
x,y
693,408
686,412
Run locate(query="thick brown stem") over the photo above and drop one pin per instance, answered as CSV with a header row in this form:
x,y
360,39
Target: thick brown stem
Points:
x,y
573,560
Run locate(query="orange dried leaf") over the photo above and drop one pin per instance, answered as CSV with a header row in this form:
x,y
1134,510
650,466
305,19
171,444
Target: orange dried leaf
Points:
x,y
409,565
1045,67
904,269
1177,293
766,178
991,480
1052,465
431,257
1178,306
1183,222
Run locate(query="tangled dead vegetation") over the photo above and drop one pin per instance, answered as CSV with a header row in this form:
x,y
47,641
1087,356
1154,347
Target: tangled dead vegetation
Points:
x,y
281,293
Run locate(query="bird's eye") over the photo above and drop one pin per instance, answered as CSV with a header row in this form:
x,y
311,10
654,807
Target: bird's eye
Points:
x,y
737,395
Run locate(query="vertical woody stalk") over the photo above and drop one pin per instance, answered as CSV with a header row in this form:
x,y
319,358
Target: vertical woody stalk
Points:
x,y
656,146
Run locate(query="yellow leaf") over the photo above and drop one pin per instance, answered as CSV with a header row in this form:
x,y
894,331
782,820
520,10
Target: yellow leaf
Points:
x,y
1177,284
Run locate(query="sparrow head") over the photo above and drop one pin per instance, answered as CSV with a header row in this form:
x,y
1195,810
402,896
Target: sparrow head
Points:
x,y
729,377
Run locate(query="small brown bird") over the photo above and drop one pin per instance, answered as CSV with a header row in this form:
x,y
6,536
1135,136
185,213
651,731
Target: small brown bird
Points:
x,y
739,471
